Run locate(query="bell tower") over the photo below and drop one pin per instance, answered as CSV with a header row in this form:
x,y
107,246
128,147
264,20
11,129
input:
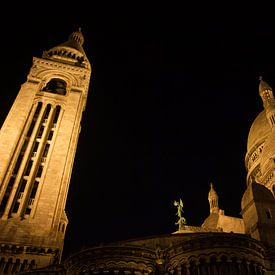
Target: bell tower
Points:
x,y
38,141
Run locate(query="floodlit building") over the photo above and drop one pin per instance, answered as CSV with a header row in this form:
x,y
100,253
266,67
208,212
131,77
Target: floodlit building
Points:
x,y
38,141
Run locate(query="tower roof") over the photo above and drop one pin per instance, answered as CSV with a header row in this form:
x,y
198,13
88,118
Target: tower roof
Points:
x,y
70,52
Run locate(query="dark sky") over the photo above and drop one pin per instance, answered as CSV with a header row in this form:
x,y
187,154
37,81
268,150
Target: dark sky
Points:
x,y
174,90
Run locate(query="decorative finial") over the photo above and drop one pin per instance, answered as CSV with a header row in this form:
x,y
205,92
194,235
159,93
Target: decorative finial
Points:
x,y
260,78
79,29
181,221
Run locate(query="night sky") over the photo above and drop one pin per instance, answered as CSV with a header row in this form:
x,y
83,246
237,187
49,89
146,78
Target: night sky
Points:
x,y
172,96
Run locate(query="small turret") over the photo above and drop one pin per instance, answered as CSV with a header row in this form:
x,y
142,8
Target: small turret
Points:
x,y
265,91
268,99
213,200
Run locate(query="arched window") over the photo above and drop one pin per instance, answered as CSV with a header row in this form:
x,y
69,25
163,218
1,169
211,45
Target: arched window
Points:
x,y
56,86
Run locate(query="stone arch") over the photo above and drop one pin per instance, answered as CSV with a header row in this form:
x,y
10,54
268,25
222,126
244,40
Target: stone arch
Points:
x,y
71,80
56,86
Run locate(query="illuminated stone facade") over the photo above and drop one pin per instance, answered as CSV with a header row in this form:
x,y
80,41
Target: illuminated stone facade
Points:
x,y
37,147
223,245
33,224
186,253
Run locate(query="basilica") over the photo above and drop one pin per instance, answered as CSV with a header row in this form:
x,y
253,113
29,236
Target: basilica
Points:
x,y
38,142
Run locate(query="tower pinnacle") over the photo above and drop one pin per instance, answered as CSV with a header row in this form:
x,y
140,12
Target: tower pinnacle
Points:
x,y
265,90
213,200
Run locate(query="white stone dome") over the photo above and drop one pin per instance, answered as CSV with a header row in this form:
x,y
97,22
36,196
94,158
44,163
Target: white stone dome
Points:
x,y
259,131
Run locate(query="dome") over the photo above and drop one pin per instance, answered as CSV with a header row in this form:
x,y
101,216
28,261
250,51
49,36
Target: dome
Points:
x,y
259,131
70,52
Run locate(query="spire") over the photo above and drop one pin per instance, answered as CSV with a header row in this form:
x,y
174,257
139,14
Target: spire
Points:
x,y
213,200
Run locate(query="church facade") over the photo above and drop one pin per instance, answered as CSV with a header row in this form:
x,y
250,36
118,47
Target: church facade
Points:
x,y
38,141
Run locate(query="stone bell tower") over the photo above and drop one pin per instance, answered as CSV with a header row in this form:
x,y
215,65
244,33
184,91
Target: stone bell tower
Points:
x,y
38,141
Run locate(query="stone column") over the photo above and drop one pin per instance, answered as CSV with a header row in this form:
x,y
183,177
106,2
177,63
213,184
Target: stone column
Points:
x,y
198,267
247,267
239,263
178,272
187,269
218,265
